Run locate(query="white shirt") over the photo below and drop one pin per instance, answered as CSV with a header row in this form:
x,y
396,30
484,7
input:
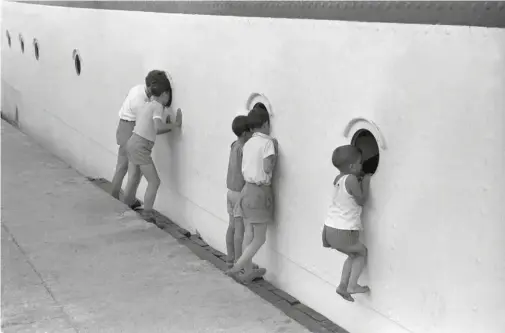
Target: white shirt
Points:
x,y
145,120
344,212
135,99
256,149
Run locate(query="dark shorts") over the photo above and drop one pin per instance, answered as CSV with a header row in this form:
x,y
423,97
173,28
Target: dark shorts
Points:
x,y
123,133
255,204
139,150
339,239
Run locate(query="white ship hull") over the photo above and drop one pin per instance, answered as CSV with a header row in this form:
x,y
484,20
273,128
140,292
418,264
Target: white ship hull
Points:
x,y
432,94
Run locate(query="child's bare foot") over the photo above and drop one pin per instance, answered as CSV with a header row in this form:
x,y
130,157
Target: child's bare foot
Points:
x,y
358,289
345,295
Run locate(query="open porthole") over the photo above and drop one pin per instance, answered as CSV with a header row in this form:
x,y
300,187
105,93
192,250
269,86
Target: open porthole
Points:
x,y
36,48
8,38
257,100
365,140
22,43
77,61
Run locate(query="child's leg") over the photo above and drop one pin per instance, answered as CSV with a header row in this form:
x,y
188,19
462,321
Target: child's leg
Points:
x,y
120,173
259,238
153,183
238,238
131,190
358,264
230,244
358,252
248,237
344,280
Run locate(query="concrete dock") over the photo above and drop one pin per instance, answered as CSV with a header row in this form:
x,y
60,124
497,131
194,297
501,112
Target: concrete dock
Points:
x,y
76,260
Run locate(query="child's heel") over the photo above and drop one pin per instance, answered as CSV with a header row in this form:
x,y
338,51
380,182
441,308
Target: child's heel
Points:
x,y
345,295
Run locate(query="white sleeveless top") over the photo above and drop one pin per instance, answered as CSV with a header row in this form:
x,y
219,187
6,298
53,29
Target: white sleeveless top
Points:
x,y
344,212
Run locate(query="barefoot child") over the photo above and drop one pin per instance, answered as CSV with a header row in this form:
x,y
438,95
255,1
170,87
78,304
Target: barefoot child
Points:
x,y
343,222
256,204
235,182
140,145
137,97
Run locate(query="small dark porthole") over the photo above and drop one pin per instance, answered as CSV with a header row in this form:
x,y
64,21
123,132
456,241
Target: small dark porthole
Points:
x,y
260,105
22,43
8,38
365,141
77,62
36,48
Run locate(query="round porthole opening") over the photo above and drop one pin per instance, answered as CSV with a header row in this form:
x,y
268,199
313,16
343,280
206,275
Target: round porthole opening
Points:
x,y
260,105
22,43
365,140
77,62
36,48
8,38
257,100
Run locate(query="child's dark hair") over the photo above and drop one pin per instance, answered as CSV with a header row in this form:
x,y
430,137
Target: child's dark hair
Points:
x,y
159,83
257,117
345,155
240,125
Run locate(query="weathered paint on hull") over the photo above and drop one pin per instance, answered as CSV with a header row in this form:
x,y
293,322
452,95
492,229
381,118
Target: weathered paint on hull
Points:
x,y
435,222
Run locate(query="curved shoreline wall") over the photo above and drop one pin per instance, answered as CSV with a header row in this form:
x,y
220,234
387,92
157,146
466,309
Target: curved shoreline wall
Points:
x,y
435,223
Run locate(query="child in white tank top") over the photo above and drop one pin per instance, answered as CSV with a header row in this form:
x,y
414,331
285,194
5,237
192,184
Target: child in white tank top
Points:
x,y
343,221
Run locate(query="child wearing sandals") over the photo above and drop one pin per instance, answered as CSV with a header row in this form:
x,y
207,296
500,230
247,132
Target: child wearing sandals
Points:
x,y
255,204
343,221
235,182
139,147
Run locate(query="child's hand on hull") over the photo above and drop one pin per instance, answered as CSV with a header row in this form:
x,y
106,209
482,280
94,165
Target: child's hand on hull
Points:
x,y
367,178
178,118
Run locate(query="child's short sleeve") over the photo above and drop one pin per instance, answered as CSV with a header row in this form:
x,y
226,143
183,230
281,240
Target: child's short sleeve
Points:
x,y
269,149
158,111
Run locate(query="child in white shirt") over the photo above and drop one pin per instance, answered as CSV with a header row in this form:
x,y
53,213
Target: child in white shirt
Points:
x,y
343,222
139,147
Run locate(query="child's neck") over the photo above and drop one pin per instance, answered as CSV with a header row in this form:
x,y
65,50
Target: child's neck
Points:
x,y
241,139
260,130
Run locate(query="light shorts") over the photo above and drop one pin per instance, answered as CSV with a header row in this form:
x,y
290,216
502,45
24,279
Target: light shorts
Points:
x,y
139,150
256,204
123,133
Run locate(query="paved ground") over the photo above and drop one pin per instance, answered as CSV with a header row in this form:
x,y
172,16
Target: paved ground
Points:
x,y
76,260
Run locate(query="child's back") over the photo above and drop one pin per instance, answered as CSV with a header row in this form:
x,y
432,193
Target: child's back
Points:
x,y
344,212
234,180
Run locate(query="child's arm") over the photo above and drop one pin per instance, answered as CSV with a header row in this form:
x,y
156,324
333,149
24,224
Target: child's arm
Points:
x,y
162,128
270,156
359,190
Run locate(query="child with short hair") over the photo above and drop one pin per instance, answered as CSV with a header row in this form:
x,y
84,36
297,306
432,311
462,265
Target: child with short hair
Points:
x,y
139,147
256,204
343,221
137,97
235,182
